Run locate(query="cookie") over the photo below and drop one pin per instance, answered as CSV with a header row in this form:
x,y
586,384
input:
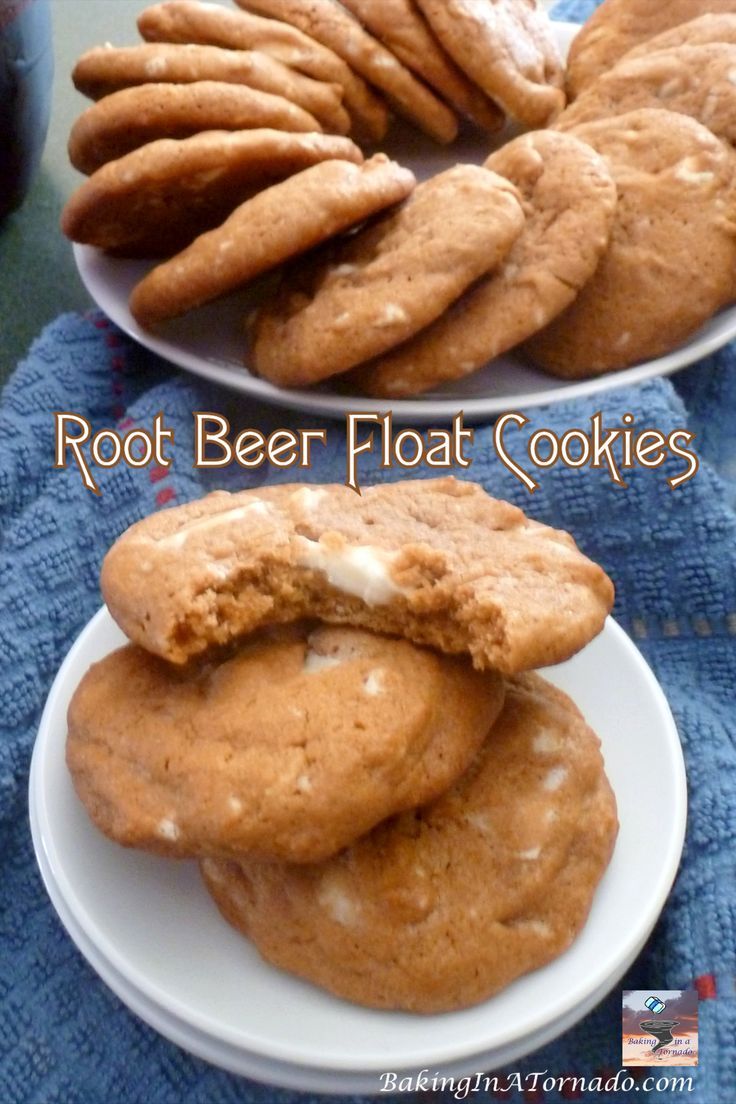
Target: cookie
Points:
x,y
617,26
392,279
436,561
161,196
491,881
333,26
698,32
272,227
403,30
672,256
693,80
212,24
126,120
507,48
290,748
569,200
105,69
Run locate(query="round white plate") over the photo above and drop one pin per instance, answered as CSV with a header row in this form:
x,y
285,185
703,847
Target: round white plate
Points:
x,y
149,928
210,342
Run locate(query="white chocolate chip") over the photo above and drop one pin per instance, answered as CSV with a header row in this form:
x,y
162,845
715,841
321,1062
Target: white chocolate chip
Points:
x,y
308,497
336,902
255,508
168,829
314,662
479,822
555,778
373,683
360,570
155,66
531,855
544,742
303,783
392,313
235,805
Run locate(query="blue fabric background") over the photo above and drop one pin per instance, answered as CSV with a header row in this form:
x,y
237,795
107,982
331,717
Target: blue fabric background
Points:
x,y
64,1038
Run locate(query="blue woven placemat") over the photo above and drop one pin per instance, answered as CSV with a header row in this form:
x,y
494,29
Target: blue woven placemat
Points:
x,y
63,1036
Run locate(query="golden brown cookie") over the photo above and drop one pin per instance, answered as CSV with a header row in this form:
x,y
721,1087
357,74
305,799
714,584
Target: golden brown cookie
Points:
x,y
215,25
440,908
508,49
158,198
334,27
134,117
403,30
279,223
377,289
569,199
617,26
436,561
699,81
290,748
672,256
698,32
105,69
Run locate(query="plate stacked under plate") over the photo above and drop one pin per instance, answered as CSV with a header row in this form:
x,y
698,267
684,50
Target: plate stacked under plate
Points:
x,y
150,930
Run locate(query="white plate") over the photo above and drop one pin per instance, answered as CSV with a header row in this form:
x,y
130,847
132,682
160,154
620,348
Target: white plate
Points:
x,y
149,928
210,342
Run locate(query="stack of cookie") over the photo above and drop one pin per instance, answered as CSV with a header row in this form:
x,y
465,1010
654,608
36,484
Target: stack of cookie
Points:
x,y
327,702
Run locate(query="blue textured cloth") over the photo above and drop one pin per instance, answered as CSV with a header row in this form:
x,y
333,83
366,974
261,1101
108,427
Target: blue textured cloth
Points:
x,y
64,1038
672,554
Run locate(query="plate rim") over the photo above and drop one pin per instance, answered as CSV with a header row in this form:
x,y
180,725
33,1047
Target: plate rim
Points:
x,y
274,1050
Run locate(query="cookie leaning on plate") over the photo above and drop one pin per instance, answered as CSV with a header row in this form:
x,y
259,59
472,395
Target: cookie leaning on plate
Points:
x,y
671,262
402,28
494,879
617,26
693,80
377,289
126,120
333,26
277,224
507,48
212,24
436,561
569,200
288,748
105,69
712,27
161,196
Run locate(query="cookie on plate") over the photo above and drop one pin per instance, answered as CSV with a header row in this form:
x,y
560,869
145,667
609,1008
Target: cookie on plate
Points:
x,y
107,69
158,198
126,120
672,257
279,223
617,26
491,881
290,748
333,26
436,561
215,25
698,81
712,27
508,49
569,199
402,28
392,279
